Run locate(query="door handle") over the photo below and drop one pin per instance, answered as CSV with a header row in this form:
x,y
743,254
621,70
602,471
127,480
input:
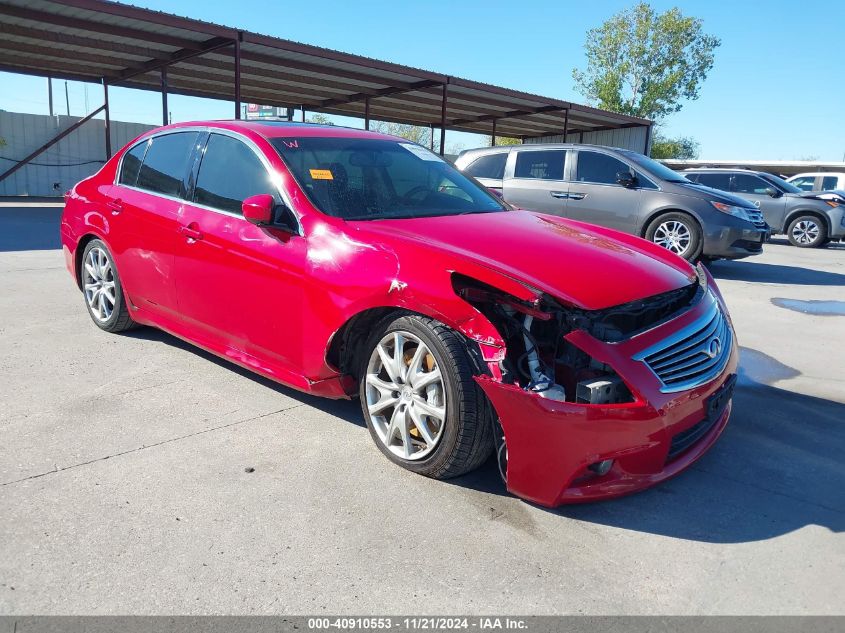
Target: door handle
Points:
x,y
559,194
190,233
116,206
577,196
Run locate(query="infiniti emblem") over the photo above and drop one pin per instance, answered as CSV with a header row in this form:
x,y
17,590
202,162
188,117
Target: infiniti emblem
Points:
x,y
714,348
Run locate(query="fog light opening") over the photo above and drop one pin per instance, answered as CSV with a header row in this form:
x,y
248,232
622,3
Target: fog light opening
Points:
x,y
601,468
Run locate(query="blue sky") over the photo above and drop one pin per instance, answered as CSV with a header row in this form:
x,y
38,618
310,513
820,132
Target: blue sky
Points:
x,y
776,90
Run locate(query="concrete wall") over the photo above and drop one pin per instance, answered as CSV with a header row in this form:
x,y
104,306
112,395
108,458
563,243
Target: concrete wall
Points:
x,y
75,157
632,138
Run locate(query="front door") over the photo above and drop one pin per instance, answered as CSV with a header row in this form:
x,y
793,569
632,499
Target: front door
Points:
x,y
754,188
596,197
537,183
239,285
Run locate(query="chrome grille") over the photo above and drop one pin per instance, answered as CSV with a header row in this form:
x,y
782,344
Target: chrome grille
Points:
x,y
756,218
694,355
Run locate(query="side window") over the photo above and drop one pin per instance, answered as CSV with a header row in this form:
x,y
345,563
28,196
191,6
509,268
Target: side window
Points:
x,y
489,166
131,164
807,183
229,173
540,164
166,163
746,183
829,183
691,177
598,168
717,181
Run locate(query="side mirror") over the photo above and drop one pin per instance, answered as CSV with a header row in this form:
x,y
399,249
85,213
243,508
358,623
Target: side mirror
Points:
x,y
626,178
259,209
774,193
262,210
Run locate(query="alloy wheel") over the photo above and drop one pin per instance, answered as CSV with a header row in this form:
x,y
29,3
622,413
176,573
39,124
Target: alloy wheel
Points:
x,y
98,284
406,397
674,236
805,232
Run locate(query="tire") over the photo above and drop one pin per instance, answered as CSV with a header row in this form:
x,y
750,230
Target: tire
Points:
x,y
457,442
677,232
807,231
98,274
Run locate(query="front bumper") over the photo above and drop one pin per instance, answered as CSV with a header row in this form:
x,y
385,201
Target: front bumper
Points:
x,y
550,444
735,242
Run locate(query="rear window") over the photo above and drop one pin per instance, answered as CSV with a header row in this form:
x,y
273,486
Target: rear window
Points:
x,y
131,164
829,182
540,164
166,163
717,181
488,166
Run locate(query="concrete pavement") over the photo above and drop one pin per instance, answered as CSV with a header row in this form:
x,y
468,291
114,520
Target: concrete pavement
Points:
x,y
125,490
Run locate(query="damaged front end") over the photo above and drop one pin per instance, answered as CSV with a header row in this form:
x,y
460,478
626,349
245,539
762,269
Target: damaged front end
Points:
x,y
579,417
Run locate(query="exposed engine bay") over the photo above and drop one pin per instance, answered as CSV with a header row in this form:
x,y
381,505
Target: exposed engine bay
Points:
x,y
541,360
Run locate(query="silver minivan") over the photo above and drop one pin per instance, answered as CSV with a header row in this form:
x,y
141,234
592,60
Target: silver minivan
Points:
x,y
623,190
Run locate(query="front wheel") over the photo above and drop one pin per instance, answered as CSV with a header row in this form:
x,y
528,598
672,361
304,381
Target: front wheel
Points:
x,y
422,406
678,233
807,231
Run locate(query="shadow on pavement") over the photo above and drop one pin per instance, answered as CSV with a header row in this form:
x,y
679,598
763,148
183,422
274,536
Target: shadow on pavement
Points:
x,y
29,228
776,469
749,270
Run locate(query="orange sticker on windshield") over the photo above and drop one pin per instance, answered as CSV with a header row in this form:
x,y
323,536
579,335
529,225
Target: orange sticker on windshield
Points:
x,y
321,174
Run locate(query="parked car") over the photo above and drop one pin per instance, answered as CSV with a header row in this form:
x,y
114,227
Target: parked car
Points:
x,y
809,219
622,190
818,181
348,263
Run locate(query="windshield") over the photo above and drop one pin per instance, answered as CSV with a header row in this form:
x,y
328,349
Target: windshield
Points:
x,y
788,187
657,169
372,179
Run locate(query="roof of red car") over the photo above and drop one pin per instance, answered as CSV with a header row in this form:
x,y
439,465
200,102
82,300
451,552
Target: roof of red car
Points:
x,y
274,129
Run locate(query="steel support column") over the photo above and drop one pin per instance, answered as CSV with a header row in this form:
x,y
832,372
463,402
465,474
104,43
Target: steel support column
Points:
x,y
493,135
50,94
566,126
647,139
431,136
238,76
107,118
367,113
164,120
303,113
443,121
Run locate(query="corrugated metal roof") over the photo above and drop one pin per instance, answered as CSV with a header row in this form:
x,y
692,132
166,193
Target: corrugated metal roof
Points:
x,y
95,40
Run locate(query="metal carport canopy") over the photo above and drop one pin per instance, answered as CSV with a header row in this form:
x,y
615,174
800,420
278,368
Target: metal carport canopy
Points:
x,y
118,44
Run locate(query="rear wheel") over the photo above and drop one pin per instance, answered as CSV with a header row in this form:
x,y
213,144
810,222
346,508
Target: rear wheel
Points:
x,y
807,231
423,408
104,296
677,232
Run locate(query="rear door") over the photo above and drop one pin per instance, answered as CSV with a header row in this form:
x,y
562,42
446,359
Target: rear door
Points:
x,y
238,284
534,180
144,206
596,197
489,169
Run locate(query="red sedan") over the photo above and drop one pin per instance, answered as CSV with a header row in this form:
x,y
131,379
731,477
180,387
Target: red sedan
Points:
x,y
342,262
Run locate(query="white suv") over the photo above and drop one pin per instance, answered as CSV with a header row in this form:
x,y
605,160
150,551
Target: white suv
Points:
x,y
818,181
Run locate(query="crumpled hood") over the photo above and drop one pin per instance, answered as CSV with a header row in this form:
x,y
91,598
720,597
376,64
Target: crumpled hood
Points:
x,y
581,264
835,195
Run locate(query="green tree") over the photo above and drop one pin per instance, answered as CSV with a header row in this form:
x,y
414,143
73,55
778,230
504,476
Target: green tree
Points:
x,y
680,148
413,133
319,117
502,140
643,64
